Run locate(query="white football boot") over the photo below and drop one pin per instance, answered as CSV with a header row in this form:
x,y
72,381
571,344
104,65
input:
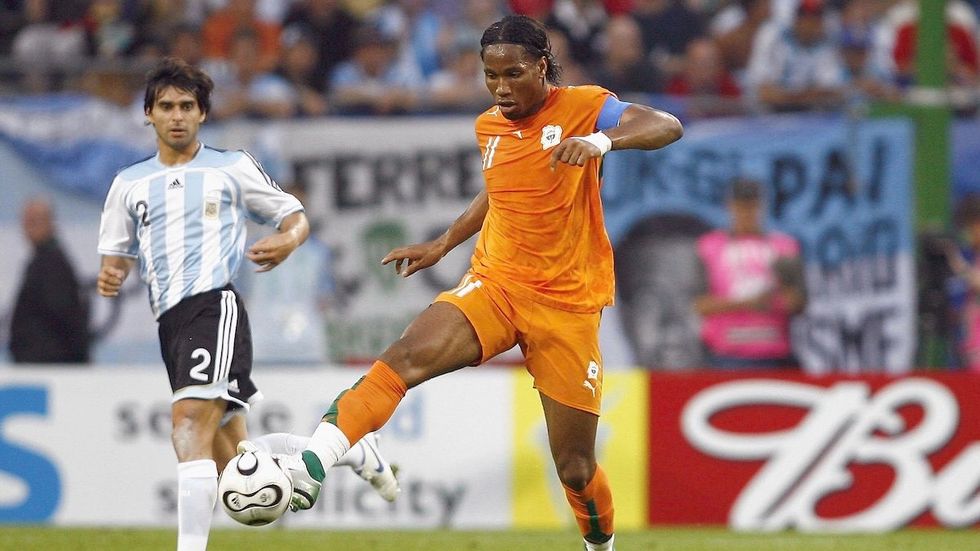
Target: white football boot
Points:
x,y
305,488
373,468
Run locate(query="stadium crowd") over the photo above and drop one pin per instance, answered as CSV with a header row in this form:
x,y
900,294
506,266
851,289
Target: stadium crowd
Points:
x,y
298,58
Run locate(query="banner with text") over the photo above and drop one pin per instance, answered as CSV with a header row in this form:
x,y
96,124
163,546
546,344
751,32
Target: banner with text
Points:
x,y
842,188
769,452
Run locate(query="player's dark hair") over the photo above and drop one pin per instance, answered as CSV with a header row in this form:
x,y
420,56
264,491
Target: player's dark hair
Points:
x,y
172,71
527,33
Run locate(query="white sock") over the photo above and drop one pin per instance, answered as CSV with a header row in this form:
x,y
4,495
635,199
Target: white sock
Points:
x,y
282,442
608,546
329,444
355,456
197,491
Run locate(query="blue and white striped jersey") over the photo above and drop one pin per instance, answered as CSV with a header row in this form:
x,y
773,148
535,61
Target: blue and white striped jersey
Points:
x,y
186,223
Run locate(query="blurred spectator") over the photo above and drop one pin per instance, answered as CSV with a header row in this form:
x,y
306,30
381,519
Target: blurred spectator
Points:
x,y
537,9
50,320
572,72
467,30
223,25
372,82
185,42
582,23
735,43
110,34
298,69
460,85
157,20
12,18
866,79
751,287
668,26
243,88
417,28
799,67
624,67
53,36
965,265
709,88
332,27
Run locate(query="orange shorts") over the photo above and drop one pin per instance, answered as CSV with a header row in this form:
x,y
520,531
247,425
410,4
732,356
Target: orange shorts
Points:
x,y
561,349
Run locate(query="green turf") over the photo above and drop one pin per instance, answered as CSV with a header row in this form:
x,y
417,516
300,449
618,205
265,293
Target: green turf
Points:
x,y
693,539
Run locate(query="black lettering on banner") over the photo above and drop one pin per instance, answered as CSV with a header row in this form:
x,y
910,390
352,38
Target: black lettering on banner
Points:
x,y
881,243
788,177
136,420
836,182
876,179
840,342
387,173
709,174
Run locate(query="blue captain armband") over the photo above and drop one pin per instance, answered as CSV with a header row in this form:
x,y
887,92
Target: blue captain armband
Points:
x,y
610,113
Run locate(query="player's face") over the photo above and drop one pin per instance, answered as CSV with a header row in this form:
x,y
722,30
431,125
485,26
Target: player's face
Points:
x,y
515,80
176,116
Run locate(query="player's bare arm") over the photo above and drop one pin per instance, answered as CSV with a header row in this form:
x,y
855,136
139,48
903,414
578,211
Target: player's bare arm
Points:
x,y
112,274
422,255
272,250
640,127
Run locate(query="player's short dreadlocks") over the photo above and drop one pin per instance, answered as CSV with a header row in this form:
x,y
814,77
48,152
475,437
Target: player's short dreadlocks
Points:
x,y
528,33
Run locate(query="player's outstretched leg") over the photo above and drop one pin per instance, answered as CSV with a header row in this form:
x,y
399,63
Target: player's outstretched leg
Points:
x,y
363,408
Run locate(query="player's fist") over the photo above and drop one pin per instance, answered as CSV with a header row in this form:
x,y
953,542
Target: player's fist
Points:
x,y
110,280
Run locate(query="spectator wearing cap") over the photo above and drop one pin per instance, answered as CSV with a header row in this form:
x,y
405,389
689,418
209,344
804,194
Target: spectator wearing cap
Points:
x,y
751,287
372,82
797,67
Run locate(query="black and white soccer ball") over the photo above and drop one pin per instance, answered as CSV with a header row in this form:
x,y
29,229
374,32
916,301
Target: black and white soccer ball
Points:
x,y
254,489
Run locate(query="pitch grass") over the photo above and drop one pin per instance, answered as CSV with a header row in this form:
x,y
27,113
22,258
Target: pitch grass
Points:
x,y
688,539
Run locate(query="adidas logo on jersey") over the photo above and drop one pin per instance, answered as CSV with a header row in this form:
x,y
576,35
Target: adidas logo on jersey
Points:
x,y
175,184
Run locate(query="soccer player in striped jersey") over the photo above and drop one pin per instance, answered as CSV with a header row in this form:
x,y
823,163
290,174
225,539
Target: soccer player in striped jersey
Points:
x,y
180,215
540,276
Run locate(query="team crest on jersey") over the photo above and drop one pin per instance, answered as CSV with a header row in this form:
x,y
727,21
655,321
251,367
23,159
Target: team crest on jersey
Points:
x,y
212,205
550,136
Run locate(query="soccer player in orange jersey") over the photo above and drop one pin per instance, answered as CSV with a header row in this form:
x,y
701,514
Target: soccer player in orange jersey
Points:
x,y
541,273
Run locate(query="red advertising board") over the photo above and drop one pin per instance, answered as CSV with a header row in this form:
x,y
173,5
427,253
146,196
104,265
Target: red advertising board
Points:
x,y
774,451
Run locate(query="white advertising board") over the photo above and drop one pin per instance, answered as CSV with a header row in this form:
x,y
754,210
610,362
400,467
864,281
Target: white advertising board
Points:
x,y
92,447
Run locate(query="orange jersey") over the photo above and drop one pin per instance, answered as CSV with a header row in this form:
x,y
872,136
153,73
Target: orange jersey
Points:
x,y
544,237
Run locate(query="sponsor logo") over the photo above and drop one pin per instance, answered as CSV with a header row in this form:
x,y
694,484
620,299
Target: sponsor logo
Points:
x,y
845,428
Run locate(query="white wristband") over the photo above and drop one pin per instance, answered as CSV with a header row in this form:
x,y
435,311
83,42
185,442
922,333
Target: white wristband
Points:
x,y
599,140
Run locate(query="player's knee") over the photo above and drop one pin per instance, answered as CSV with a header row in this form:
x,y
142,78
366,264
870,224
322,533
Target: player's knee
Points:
x,y
410,360
575,471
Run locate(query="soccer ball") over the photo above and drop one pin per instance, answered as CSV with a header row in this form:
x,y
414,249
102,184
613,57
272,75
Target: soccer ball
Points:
x,y
254,489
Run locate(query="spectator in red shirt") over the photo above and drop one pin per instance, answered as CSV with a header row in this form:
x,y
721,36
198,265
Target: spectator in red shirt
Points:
x,y
239,15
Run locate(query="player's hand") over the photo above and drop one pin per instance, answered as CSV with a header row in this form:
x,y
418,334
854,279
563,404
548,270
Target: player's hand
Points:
x,y
413,258
271,251
573,151
110,280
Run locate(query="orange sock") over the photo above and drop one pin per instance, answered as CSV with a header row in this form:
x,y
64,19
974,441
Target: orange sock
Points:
x,y
593,508
367,405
